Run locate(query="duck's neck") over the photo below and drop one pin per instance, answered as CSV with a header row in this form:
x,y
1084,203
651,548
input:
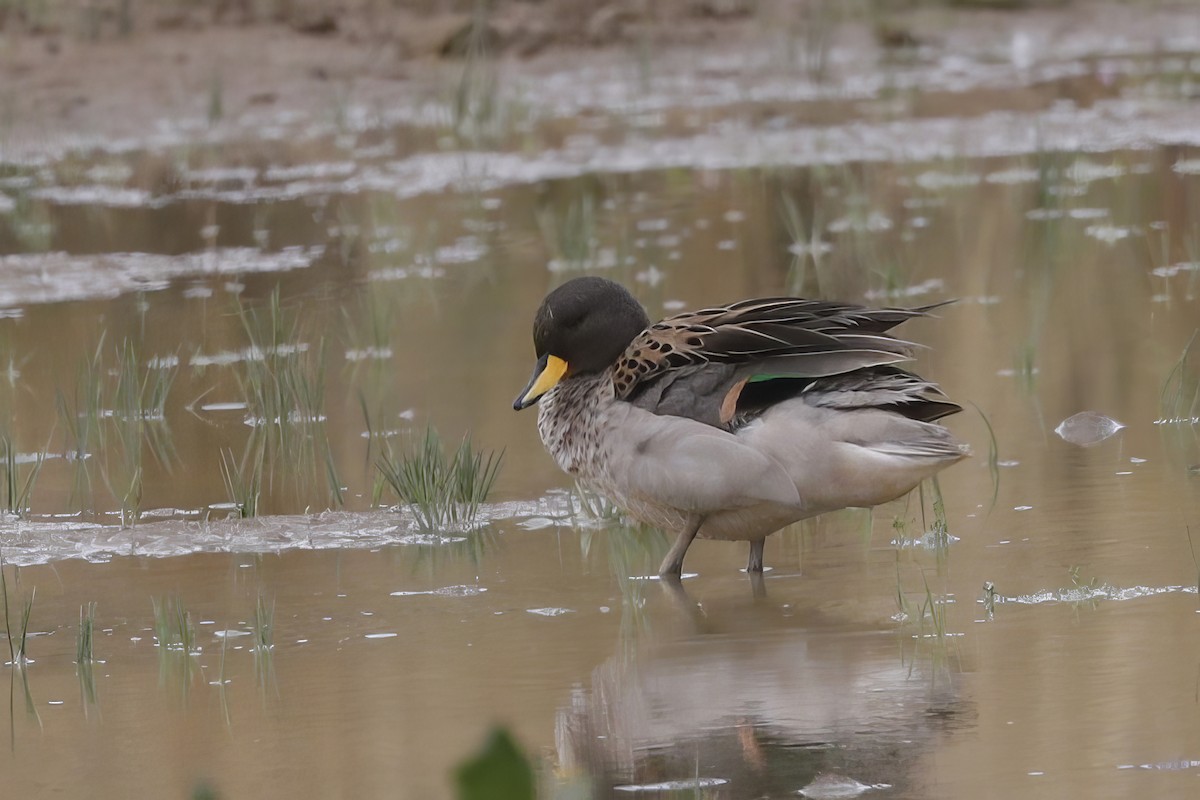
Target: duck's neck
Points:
x,y
570,417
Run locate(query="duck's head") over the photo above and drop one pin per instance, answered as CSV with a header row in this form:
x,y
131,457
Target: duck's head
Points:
x,y
581,327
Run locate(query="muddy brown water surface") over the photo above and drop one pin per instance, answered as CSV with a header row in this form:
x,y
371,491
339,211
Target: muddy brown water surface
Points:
x,y
1043,643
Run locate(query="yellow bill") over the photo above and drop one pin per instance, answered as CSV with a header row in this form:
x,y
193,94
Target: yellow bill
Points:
x,y
546,375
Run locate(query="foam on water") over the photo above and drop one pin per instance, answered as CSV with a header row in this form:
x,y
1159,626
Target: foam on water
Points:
x,y
57,277
42,540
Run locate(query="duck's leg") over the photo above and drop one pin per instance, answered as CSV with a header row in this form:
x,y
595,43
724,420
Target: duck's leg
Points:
x,y
756,556
672,565
686,606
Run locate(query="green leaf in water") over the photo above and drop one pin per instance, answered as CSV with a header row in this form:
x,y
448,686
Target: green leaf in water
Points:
x,y
204,791
499,772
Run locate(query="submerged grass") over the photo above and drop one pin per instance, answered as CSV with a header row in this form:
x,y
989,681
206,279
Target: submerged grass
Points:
x,y
634,551
482,109
368,330
18,655
569,232
928,616
113,416
444,492
243,478
80,415
904,607
216,99
17,652
175,635
941,527
85,655
18,490
588,505
372,433
263,629
993,457
263,624
31,223
221,684
282,380
84,637
806,246
283,385
474,105
934,611
138,416
332,480
1192,250
173,628
926,622
1195,560
808,39
1180,397
142,389
22,649
936,536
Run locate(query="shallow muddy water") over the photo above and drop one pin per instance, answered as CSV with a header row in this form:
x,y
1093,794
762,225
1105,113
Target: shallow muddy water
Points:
x,y
1042,644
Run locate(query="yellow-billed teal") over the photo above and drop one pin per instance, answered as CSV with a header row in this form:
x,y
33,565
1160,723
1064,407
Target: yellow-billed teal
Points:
x,y
733,421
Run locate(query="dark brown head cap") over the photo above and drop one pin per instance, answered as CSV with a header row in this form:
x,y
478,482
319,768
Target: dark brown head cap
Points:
x,y
588,322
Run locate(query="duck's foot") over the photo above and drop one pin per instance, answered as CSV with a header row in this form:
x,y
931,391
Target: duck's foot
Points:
x,y
672,565
755,564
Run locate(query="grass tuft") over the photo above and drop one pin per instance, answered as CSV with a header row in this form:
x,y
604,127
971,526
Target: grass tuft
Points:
x,y
443,492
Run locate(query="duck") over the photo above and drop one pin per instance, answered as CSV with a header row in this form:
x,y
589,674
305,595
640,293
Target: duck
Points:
x,y
733,421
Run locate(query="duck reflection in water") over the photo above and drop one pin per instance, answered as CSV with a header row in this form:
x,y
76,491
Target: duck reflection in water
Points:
x,y
768,698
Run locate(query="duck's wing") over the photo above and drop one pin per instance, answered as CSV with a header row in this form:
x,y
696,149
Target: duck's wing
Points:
x,y
697,364
886,387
